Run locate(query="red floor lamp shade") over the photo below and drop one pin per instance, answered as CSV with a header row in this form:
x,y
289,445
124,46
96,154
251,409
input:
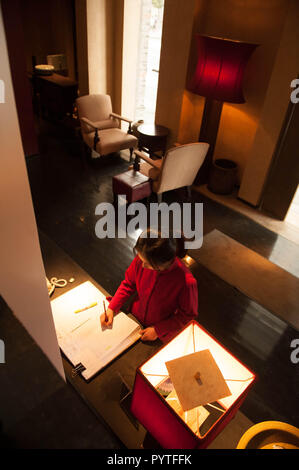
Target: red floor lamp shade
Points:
x,y
218,77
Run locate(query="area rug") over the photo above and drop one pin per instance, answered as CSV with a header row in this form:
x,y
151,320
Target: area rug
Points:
x,y
252,274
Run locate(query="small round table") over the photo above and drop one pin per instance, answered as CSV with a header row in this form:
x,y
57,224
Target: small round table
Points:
x,y
152,138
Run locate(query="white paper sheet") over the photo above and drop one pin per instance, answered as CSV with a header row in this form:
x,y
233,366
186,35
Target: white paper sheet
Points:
x,y
80,335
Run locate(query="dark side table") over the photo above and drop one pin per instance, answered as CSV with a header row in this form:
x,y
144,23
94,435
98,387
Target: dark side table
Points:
x,y
56,95
152,138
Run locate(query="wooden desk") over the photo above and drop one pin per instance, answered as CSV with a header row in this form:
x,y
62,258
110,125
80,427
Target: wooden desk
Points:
x,y
101,394
152,138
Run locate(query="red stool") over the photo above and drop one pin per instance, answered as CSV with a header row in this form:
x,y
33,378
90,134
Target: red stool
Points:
x,y
133,184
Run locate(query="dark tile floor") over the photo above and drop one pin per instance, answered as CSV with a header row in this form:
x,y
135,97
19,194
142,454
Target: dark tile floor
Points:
x,y
65,192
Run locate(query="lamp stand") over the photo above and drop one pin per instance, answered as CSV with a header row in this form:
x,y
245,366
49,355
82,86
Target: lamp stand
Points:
x,y
208,133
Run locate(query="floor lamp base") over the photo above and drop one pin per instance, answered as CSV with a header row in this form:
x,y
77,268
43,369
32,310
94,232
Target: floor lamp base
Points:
x,y
208,133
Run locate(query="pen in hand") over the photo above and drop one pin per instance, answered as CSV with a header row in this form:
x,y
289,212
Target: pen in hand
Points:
x,y
106,318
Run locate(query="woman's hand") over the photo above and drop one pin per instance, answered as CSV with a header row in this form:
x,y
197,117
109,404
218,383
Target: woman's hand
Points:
x,y
148,334
107,322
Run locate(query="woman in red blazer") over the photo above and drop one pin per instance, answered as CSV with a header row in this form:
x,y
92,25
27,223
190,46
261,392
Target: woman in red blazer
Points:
x,y
167,295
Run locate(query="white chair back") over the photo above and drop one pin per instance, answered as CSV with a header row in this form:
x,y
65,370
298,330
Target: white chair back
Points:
x,y
180,166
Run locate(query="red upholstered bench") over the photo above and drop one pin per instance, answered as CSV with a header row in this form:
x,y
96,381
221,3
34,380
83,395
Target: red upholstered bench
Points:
x,y
133,184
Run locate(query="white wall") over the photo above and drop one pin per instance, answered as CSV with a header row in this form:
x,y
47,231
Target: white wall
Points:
x,y
22,275
97,46
176,40
132,11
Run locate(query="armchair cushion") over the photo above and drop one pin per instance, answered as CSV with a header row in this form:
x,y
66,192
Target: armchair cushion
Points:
x,y
111,140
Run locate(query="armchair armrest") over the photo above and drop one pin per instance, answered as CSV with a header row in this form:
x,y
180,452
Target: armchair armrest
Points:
x,y
117,116
147,159
89,123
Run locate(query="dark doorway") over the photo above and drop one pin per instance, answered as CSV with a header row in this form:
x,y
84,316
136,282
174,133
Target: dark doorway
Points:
x,y
283,178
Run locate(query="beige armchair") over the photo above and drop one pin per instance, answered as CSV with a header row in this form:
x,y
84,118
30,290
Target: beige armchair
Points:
x,y
177,169
100,127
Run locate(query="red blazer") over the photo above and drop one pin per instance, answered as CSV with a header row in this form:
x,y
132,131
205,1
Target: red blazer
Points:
x,y
166,300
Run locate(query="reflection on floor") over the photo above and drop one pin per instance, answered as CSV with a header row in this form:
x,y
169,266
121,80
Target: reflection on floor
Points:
x,y
65,192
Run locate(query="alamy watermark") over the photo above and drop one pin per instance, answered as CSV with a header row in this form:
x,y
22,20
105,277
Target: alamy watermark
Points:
x,y
295,93
2,352
295,353
169,219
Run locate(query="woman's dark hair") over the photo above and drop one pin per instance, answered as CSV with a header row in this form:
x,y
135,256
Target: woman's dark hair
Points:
x,y
158,250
